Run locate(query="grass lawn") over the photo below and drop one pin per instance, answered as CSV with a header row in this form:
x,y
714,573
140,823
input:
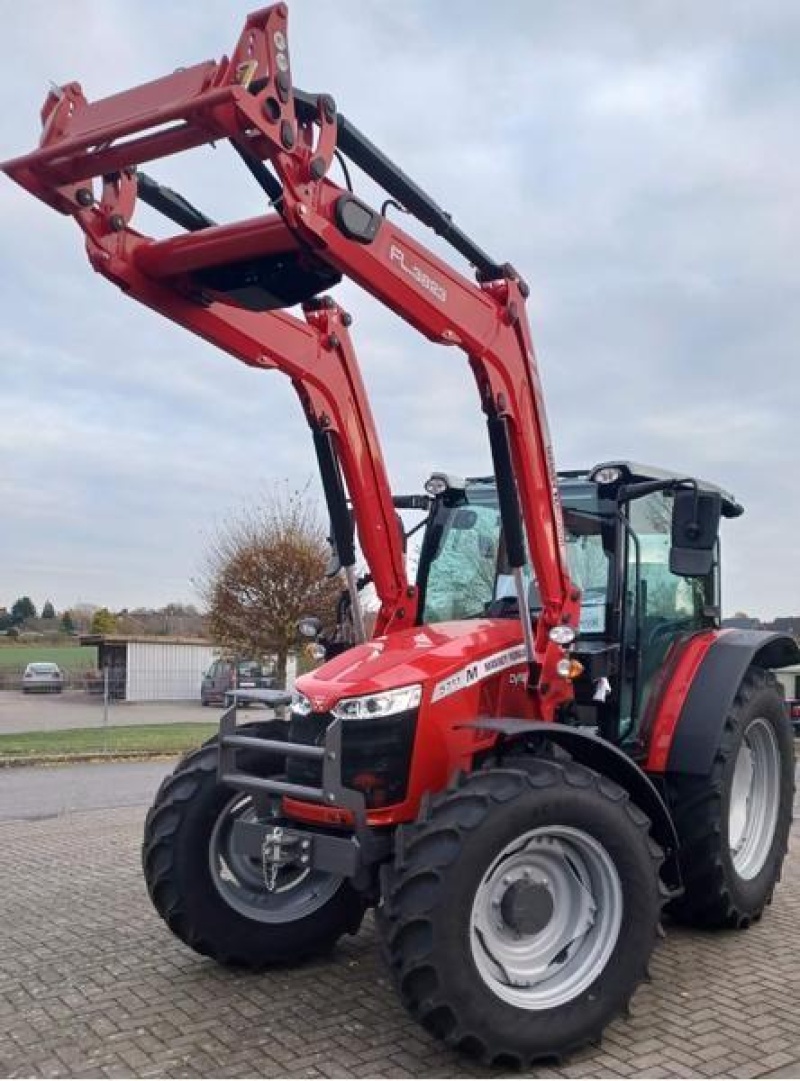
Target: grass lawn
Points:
x,y
158,738
70,658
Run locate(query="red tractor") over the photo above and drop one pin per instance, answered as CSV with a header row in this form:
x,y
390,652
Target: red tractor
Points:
x,y
548,738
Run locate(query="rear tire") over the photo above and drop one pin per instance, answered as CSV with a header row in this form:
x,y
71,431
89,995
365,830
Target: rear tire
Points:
x,y
521,911
734,823
214,899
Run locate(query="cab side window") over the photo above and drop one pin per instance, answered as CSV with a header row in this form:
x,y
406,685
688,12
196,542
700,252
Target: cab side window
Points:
x,y
670,606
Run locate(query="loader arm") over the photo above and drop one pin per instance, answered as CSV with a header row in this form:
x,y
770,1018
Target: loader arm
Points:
x,y
224,281
318,357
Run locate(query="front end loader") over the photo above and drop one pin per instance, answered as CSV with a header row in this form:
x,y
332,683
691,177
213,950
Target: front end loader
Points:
x,y
548,737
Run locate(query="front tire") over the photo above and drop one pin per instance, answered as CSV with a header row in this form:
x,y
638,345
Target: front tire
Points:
x,y
214,898
734,823
521,911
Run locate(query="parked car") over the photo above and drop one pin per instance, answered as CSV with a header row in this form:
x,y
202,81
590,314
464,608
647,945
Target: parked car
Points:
x,y
224,676
43,676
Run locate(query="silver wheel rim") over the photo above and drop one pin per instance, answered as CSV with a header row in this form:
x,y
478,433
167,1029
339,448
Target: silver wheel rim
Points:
x,y
755,796
546,917
239,879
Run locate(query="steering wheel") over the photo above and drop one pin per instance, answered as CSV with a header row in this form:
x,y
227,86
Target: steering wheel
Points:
x,y
665,628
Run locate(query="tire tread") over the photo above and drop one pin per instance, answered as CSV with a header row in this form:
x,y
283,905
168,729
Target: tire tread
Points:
x,y
696,802
400,923
162,844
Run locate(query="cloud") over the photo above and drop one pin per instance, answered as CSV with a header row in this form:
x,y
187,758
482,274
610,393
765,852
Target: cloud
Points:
x,y
640,166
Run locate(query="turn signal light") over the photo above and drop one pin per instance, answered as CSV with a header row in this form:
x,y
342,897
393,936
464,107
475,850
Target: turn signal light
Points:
x,y
569,668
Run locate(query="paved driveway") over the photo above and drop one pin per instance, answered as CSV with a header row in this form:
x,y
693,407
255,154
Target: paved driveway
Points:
x,y
47,793
92,983
74,709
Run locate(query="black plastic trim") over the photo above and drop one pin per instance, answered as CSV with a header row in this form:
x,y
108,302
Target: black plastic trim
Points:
x,y
335,498
507,492
607,760
331,792
356,220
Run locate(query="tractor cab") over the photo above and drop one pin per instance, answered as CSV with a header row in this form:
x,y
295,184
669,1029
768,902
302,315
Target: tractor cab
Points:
x,y
643,547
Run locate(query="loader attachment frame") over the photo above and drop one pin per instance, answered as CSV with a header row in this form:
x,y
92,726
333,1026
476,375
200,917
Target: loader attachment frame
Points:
x,y
228,282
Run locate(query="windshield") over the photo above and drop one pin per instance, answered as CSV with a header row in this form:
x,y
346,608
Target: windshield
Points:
x,y
467,572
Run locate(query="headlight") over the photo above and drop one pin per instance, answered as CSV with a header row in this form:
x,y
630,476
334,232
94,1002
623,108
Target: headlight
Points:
x,y
384,704
301,704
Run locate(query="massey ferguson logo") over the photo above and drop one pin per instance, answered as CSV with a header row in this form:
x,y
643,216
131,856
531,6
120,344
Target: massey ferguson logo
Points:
x,y
421,277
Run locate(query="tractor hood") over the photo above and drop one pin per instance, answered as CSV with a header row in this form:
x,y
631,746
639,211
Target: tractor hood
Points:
x,y
427,655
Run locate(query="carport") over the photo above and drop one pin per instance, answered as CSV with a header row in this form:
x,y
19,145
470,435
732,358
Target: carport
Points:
x,y
152,669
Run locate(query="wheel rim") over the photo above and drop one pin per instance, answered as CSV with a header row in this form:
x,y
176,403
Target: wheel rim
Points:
x,y
755,796
239,879
546,917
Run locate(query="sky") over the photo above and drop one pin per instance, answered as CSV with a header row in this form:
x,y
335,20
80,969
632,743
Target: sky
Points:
x,y
638,162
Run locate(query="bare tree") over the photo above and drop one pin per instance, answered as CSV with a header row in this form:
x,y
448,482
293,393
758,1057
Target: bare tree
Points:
x,y
265,569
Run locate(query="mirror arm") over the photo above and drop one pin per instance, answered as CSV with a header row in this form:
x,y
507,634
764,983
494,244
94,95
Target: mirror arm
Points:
x,y
629,492
417,527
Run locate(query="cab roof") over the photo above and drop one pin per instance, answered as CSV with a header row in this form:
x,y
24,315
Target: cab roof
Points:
x,y
633,472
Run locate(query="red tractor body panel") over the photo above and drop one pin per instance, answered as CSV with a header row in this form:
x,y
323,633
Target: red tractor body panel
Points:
x,y
434,655
669,696
467,670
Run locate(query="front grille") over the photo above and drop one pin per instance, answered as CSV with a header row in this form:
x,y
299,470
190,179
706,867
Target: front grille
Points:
x,y
376,754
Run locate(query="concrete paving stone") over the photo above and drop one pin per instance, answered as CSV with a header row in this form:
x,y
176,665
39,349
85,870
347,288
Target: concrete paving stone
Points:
x,y
91,981
791,1069
657,1071
582,1069
774,1030
708,1026
722,1065
712,1051
607,1061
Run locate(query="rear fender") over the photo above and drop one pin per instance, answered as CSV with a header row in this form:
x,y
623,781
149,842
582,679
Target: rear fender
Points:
x,y
607,760
690,713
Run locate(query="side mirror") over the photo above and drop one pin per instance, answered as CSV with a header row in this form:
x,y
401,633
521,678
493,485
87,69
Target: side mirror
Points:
x,y
695,526
309,627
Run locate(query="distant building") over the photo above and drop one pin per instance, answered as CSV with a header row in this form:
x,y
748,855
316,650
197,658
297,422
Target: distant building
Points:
x,y
151,669
742,623
780,625
790,678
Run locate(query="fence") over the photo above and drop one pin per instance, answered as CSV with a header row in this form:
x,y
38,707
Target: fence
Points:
x,y
107,711
119,681
141,677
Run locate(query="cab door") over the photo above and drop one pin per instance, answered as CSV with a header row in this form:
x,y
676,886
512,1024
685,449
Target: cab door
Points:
x,y
659,607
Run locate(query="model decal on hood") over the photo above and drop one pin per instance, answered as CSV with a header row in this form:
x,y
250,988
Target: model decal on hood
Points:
x,y
479,670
